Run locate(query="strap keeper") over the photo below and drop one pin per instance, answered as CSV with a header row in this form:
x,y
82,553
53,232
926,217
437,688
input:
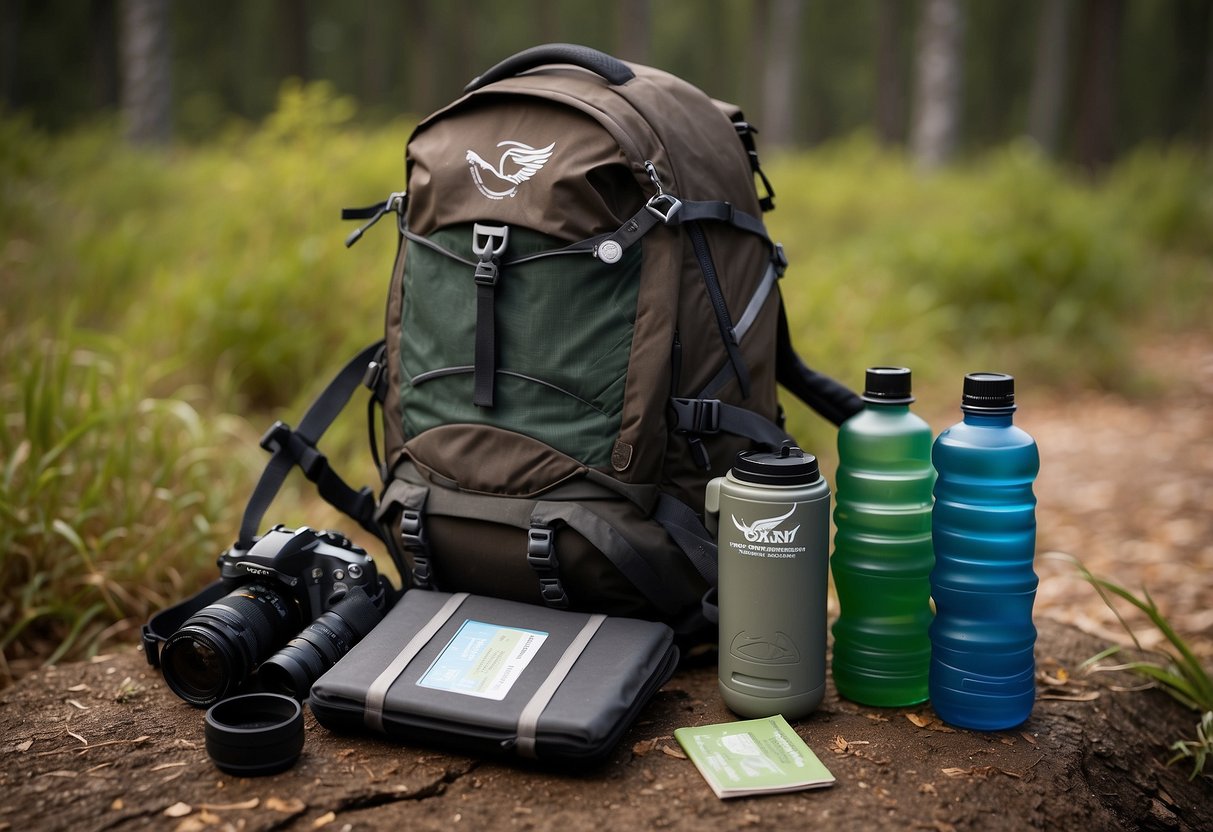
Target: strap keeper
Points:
x,y
277,437
487,273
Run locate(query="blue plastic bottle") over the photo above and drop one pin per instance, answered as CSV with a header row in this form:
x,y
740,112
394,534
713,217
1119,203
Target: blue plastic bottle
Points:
x,y
983,527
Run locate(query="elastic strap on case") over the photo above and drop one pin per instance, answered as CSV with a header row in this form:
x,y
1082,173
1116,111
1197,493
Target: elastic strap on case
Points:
x,y
528,720
376,694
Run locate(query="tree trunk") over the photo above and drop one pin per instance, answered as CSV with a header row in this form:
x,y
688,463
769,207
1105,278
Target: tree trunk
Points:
x,y
780,94
147,90
1096,128
1049,74
939,75
293,34
890,78
634,30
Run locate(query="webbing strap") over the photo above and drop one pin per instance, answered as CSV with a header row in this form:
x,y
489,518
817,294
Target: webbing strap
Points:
x,y
290,447
688,531
719,211
700,417
376,694
528,720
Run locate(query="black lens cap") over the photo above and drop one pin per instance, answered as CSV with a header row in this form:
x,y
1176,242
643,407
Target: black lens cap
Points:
x,y
254,734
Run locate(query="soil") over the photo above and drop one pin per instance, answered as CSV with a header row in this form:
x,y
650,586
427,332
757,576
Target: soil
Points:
x,y
105,746
1124,486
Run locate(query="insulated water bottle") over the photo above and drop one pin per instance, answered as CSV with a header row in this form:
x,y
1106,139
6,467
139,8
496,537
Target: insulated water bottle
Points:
x,y
984,531
882,548
771,516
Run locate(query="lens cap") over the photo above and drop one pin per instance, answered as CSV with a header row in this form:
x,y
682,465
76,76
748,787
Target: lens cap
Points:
x,y
254,734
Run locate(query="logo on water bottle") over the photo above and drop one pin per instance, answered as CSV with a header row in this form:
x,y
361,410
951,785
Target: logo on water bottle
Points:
x,y
765,531
766,649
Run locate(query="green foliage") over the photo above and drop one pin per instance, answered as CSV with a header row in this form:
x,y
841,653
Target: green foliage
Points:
x,y
107,496
148,293
1176,670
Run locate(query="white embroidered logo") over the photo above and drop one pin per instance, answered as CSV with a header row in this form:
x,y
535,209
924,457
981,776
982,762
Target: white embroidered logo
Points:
x,y
765,531
521,160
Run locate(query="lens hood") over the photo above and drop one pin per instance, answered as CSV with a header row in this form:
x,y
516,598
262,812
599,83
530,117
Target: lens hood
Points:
x,y
254,734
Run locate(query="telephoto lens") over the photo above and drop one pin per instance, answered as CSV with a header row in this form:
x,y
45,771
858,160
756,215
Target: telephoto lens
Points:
x,y
219,647
294,668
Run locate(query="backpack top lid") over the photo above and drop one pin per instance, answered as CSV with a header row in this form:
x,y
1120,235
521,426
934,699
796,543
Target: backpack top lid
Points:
x,y
556,147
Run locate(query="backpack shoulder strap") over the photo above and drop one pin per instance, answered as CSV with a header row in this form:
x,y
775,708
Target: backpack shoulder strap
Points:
x,y
297,446
832,399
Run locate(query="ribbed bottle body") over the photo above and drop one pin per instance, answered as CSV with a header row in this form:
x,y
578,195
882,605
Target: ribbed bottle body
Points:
x,y
882,557
983,583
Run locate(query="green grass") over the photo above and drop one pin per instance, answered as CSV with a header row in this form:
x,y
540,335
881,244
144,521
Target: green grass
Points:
x,y
162,307
1173,668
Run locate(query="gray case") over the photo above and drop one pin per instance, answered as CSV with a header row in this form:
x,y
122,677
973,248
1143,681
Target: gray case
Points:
x,y
569,700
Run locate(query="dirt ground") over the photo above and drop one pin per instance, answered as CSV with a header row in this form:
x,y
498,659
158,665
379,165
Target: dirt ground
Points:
x,y
1125,485
105,746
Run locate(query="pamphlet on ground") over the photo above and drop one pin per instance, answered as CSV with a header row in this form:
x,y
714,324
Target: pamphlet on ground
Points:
x,y
757,756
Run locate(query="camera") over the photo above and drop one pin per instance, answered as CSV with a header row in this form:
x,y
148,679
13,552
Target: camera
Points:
x,y
298,601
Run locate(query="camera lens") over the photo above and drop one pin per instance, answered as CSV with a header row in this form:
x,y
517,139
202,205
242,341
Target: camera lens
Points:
x,y
305,658
217,649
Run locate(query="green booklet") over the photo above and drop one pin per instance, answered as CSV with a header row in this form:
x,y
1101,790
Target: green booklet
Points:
x,y
757,756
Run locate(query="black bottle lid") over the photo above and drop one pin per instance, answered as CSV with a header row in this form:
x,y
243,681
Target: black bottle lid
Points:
x,y
787,466
887,385
988,393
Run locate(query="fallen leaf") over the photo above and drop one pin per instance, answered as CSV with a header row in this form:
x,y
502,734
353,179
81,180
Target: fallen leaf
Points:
x,y
76,704
25,746
83,741
178,810
163,766
324,820
286,807
644,747
1031,739
877,717
920,721
676,753
117,805
77,688
191,825
1089,696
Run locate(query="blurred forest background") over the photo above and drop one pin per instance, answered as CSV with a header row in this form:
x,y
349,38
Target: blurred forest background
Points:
x,y
1014,184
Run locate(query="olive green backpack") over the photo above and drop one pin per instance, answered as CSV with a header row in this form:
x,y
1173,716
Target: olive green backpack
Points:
x,y
584,325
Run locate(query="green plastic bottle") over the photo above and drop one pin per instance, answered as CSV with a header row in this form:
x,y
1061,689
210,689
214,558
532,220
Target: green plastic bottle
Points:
x,y
882,547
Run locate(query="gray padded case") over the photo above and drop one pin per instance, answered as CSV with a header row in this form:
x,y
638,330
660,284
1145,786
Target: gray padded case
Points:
x,y
572,702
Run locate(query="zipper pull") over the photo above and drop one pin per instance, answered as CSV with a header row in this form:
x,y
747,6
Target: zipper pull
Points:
x,y
395,202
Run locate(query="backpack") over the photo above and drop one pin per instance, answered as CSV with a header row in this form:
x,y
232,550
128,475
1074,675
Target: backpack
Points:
x,y
584,325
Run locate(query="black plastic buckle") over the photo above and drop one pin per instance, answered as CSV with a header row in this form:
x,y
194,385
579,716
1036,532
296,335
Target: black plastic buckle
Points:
x,y
696,416
277,437
416,542
540,553
779,259
487,273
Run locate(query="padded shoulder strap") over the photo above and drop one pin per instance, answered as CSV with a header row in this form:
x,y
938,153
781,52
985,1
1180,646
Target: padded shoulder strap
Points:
x,y
832,399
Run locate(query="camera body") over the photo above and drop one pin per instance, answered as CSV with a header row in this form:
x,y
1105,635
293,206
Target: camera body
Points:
x,y
316,567
297,600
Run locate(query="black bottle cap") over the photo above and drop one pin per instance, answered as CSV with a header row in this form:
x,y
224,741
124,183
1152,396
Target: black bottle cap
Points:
x,y
988,393
787,466
887,385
